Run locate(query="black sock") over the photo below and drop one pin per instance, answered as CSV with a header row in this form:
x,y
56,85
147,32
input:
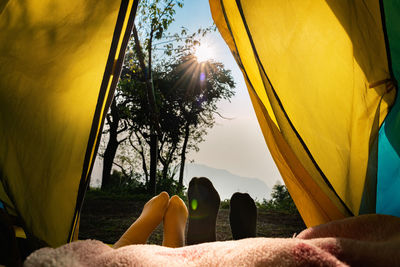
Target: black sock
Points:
x,y
203,209
242,216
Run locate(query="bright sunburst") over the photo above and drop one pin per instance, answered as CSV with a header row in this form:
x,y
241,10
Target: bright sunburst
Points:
x,y
203,53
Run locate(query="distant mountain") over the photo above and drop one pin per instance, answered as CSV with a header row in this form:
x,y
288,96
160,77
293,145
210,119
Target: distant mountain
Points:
x,y
227,183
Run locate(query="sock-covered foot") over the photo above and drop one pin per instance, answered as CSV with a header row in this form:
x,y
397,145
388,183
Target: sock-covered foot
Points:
x,y
151,216
175,223
203,209
242,216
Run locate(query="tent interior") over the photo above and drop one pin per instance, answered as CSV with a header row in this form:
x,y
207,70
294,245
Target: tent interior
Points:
x,y
322,77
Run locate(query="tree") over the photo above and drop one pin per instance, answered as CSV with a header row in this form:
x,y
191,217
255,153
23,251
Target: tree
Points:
x,y
155,16
156,20
187,93
198,88
162,108
280,200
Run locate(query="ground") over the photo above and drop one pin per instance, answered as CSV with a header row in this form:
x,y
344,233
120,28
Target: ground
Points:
x,y
106,219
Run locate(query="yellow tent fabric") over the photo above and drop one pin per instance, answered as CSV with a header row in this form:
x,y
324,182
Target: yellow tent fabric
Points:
x,y
59,65
318,77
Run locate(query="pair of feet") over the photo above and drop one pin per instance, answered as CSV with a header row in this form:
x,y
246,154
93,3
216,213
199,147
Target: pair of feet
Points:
x,y
204,204
171,211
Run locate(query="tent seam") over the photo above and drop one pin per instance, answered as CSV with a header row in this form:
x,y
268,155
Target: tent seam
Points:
x,y
104,97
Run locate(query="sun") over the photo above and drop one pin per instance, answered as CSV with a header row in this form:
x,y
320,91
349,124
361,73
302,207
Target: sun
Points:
x,y
203,53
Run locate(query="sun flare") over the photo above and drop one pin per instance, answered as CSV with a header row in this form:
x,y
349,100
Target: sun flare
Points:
x,y
203,53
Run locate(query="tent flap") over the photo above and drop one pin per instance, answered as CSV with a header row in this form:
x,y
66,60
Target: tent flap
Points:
x,y
56,81
317,73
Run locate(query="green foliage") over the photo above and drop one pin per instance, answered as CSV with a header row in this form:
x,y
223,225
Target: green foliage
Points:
x,y
224,204
280,201
123,187
155,16
184,43
122,184
94,194
171,186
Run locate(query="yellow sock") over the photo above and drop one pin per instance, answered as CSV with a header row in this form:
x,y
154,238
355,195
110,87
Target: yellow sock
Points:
x,y
175,223
151,216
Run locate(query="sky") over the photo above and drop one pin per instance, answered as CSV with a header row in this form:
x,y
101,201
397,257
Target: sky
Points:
x,y
237,144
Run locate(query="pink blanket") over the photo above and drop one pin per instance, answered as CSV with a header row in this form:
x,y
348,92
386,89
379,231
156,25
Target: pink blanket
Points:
x,y
367,240
246,252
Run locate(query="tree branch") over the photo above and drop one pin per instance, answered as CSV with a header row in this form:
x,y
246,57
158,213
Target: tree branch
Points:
x,y
141,153
147,75
122,169
123,129
122,140
108,118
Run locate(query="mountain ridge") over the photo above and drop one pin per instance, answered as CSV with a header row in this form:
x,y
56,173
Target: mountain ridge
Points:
x,y
227,183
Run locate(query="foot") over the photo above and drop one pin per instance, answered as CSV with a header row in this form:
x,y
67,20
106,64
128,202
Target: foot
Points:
x,y
203,209
151,216
242,216
175,223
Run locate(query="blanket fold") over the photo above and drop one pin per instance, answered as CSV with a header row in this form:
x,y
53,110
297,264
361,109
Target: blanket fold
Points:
x,y
245,252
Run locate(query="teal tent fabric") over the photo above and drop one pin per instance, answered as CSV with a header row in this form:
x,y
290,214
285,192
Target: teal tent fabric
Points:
x,y
388,182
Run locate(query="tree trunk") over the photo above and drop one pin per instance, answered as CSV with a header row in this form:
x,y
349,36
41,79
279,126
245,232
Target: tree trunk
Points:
x,y
155,127
140,150
183,153
165,171
112,145
165,165
108,158
167,162
153,163
144,167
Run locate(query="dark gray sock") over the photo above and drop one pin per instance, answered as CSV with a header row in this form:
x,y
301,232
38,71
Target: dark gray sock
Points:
x,y
242,216
203,209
